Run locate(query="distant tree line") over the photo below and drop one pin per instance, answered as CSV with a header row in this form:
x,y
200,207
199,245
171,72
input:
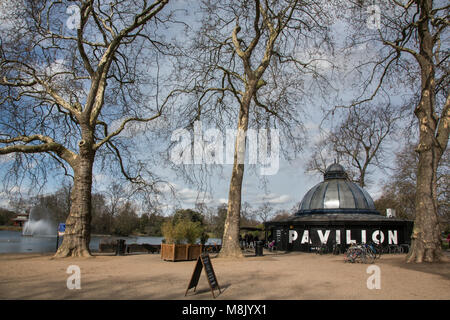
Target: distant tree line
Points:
x,y
399,190
6,216
122,218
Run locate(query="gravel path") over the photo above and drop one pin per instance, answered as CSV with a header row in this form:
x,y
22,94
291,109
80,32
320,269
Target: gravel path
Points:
x,y
273,276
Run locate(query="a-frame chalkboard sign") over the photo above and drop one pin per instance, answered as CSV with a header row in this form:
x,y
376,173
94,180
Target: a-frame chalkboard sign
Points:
x,y
204,261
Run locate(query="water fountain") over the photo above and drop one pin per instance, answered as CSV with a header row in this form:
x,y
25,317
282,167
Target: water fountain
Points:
x,y
39,223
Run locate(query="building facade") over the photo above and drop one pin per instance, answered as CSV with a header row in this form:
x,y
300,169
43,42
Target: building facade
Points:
x,y
337,211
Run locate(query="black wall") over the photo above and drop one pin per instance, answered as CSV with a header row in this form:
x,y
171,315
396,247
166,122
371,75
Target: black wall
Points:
x,y
280,233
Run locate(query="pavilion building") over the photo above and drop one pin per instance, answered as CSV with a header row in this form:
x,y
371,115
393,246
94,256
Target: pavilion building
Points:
x,y
337,211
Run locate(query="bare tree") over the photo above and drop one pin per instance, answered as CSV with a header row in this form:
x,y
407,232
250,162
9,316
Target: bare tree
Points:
x,y
71,85
246,211
412,52
358,142
399,189
280,215
116,197
264,212
251,61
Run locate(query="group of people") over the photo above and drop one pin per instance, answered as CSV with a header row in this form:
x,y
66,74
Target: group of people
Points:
x,y
248,241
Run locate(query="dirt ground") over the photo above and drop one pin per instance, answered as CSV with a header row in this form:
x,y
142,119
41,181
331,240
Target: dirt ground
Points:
x,y
272,276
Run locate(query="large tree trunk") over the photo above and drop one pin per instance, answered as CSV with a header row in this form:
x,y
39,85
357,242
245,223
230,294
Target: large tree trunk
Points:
x,y
230,240
426,244
78,223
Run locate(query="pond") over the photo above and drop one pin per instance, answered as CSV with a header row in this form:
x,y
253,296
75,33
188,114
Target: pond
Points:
x,y
15,242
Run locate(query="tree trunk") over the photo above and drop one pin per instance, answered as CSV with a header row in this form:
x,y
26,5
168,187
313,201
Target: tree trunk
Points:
x,y
230,240
426,244
78,223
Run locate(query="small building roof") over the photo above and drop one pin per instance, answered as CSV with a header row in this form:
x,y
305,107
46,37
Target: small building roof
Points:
x,y
336,194
20,218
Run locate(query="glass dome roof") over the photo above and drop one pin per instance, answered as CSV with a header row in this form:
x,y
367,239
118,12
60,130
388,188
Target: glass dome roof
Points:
x,y
336,194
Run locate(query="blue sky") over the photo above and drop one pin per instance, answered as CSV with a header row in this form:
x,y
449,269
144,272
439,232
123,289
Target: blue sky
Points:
x,y
281,190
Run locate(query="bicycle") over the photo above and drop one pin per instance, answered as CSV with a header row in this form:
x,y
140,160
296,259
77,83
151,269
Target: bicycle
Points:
x,y
353,254
359,253
395,249
376,249
405,247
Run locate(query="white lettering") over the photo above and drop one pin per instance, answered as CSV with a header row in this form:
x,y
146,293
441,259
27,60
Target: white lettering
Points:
x,y
374,20
181,153
363,236
392,236
199,310
198,143
73,22
229,147
74,281
292,236
240,146
338,236
213,150
305,238
375,235
273,161
252,146
374,281
208,147
323,239
349,237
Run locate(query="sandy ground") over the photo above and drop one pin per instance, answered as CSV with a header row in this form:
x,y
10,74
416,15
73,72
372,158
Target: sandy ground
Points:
x,y
273,276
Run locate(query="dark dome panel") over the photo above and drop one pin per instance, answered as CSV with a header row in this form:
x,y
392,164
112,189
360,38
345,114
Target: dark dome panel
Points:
x,y
306,202
336,194
331,198
346,198
358,195
319,194
335,171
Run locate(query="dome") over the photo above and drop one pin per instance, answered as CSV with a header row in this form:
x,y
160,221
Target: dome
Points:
x,y
337,194
335,171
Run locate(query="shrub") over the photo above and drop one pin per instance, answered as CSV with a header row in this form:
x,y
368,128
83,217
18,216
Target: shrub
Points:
x,y
188,230
168,232
204,237
445,245
183,231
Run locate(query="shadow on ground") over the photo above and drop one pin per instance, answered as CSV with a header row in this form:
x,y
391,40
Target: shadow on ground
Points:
x,y
438,268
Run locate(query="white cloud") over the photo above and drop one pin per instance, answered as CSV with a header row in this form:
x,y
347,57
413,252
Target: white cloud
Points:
x,y
273,198
102,179
4,203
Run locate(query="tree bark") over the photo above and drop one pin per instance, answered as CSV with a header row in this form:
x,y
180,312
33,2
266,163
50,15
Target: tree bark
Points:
x,y
426,243
230,240
78,223
253,81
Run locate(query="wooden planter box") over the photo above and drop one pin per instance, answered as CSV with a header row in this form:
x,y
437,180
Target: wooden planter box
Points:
x,y
180,252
